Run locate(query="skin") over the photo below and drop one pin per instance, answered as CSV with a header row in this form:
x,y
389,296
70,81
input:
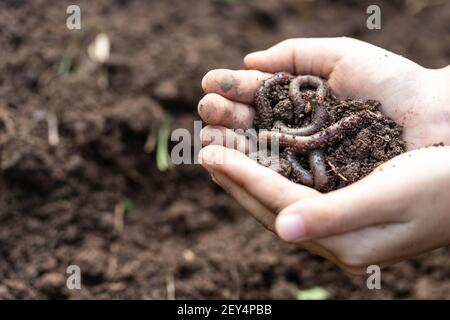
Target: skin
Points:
x,y
400,210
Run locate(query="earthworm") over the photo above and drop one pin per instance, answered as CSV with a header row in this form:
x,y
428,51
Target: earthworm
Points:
x,y
262,102
319,118
318,169
317,178
317,140
295,90
308,139
300,173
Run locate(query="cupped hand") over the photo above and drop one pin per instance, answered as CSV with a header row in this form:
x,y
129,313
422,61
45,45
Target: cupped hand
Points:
x,y
399,210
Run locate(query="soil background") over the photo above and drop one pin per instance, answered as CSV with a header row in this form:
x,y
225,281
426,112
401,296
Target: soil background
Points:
x,y
183,237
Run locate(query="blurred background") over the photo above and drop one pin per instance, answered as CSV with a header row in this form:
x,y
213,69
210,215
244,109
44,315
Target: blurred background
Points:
x,y
84,123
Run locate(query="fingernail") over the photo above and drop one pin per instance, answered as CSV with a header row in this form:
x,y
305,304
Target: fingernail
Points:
x,y
204,79
290,227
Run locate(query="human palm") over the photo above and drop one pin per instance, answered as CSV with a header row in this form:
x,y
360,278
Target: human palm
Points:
x,y
379,219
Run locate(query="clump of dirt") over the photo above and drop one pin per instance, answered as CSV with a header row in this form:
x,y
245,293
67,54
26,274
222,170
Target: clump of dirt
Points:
x,y
325,142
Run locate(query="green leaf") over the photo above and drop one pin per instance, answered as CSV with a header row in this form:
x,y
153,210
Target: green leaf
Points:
x,y
162,149
66,63
128,205
314,293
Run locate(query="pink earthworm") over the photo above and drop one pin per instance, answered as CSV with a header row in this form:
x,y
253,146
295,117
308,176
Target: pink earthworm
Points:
x,y
262,102
317,140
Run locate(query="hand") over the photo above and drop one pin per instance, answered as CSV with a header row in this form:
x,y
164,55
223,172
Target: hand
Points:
x,y
399,210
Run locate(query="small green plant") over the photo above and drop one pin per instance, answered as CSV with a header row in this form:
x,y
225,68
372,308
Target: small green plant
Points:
x,y
314,293
66,62
127,206
162,149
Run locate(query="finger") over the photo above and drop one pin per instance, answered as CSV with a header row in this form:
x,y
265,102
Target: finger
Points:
x,y
380,244
221,136
316,56
256,208
386,242
384,196
236,85
326,249
217,110
267,218
268,187
356,206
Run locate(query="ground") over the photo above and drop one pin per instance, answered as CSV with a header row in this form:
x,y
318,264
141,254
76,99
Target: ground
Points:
x,y
97,199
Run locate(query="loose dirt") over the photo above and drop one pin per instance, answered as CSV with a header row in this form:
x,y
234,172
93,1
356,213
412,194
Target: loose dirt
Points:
x,y
353,153
61,205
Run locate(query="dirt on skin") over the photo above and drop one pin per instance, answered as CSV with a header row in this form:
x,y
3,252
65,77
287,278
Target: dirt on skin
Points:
x,y
64,204
355,154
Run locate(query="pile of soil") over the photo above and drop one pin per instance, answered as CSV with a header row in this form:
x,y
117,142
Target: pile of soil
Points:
x,y
64,204
358,150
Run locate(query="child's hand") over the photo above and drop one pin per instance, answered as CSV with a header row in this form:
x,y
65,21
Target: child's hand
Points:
x,y
400,210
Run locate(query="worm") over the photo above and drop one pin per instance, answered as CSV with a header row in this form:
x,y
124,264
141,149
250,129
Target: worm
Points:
x,y
315,141
295,90
317,178
310,139
300,174
319,118
262,102
318,169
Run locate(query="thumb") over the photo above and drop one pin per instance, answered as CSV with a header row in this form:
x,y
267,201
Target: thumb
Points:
x,y
387,195
376,199
316,56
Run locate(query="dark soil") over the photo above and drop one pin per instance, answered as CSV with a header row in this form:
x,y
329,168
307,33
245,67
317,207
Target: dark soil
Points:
x,y
356,153
62,205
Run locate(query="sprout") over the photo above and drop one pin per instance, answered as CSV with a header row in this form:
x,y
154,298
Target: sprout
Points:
x,y
162,149
127,205
66,63
314,293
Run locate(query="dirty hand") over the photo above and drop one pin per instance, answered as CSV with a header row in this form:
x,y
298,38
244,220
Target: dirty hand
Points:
x,y
399,210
